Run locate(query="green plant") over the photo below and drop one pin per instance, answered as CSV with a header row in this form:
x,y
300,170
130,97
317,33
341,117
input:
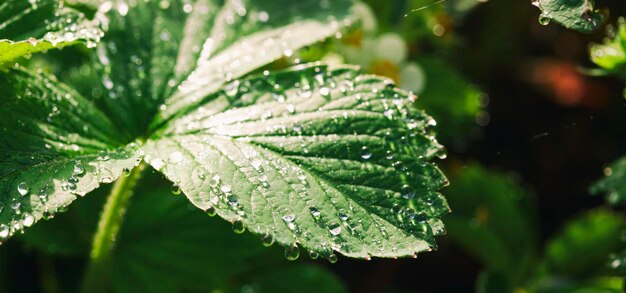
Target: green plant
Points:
x,y
495,222
580,15
324,158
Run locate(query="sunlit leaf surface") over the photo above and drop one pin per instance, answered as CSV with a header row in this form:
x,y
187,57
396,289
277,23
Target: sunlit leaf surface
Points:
x,y
328,159
54,146
29,26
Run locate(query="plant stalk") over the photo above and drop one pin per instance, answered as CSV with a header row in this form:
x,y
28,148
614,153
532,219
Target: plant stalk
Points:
x,y
108,228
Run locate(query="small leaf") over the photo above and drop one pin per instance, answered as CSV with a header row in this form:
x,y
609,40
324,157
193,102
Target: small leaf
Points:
x,y
583,247
492,221
329,159
54,146
578,15
612,54
32,26
614,184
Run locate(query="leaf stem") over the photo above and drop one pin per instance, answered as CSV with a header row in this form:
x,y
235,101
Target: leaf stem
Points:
x,y
108,228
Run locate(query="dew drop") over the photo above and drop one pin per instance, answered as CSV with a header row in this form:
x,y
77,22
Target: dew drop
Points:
x,y
22,188
103,156
268,240
544,19
165,36
292,252
332,258
164,4
315,212
257,165
238,227
297,127
325,92
278,98
232,89
175,189
4,231
226,188
365,153
122,8
47,215
32,41
201,175
335,229
79,169
407,192
313,254
211,211
232,200
215,181
28,220
263,16
73,180
289,218
43,196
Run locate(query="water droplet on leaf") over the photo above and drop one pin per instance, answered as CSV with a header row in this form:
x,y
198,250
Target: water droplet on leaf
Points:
x,y
365,153
292,252
238,227
335,229
22,188
268,240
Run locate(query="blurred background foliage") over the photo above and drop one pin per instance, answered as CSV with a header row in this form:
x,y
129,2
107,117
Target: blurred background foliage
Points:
x,y
532,116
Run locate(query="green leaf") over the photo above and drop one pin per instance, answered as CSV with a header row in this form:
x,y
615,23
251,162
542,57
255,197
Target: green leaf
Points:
x,y
492,222
164,238
578,15
611,55
32,26
234,50
614,184
54,146
583,247
181,51
328,159
450,99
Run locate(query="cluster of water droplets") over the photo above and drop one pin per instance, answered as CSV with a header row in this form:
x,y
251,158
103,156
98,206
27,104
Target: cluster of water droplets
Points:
x,y
67,26
284,105
40,198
